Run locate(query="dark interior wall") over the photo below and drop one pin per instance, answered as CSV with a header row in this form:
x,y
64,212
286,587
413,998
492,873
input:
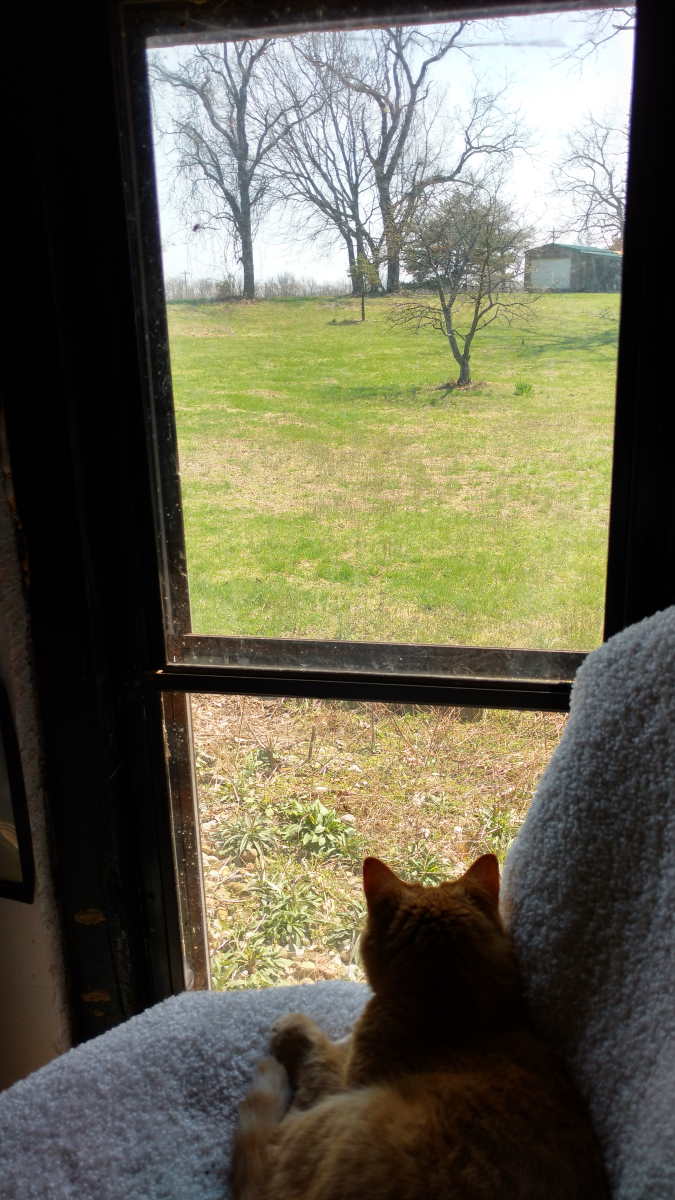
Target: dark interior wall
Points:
x,y
34,1024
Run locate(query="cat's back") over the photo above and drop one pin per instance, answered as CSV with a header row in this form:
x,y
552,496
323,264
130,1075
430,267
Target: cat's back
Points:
x,y
497,1123
504,1121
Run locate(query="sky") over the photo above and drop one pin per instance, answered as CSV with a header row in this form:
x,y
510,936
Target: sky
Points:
x,y
552,90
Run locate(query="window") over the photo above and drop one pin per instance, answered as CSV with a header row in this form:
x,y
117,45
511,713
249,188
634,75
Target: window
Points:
x,y
382,524
348,505
110,815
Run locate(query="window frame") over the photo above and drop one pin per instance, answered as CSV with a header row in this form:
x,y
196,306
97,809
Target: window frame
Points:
x,y
86,502
459,674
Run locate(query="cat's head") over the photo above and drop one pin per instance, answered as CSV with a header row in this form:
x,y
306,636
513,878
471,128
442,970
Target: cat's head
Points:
x,y
432,943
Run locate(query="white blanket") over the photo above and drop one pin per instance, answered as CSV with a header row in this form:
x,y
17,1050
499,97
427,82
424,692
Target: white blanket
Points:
x,y
589,894
146,1112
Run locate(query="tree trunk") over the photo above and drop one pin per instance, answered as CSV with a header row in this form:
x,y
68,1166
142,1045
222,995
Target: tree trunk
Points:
x,y
461,356
351,255
392,240
245,234
393,272
247,265
464,370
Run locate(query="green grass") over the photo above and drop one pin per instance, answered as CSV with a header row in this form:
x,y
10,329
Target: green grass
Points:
x,y
333,488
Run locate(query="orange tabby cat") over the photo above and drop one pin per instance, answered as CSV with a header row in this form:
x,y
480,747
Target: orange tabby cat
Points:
x,y
442,1093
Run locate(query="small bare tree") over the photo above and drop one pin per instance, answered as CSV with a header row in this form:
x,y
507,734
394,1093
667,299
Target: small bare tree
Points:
x,y
468,249
592,178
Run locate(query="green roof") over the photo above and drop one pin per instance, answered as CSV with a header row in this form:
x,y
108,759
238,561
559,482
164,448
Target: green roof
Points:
x,y
579,249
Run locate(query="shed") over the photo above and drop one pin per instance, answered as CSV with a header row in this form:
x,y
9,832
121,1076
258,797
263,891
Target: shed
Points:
x,y
558,267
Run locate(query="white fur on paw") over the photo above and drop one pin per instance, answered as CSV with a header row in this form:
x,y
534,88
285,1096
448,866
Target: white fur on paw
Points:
x,y
270,1093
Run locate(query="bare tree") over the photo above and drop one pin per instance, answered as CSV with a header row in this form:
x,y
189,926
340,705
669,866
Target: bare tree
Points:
x,y
393,75
600,27
321,166
227,126
468,249
592,178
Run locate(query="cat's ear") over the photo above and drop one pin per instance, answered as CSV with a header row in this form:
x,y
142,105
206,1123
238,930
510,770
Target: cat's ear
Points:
x,y
379,882
485,873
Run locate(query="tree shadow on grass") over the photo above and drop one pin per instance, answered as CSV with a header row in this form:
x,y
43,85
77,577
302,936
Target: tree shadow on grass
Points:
x,y
563,342
411,396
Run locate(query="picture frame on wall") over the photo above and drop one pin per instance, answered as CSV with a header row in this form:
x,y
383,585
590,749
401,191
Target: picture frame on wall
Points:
x,y
17,875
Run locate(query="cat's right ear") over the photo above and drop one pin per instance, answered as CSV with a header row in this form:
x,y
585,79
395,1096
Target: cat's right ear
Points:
x,y
380,883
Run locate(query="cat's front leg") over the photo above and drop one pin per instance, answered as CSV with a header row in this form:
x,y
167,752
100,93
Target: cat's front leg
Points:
x,y
315,1064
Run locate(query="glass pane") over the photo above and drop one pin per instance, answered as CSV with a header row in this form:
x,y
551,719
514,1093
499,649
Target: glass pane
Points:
x,y
394,356
293,793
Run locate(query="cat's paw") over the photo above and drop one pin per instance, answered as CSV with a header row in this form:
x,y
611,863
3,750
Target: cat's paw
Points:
x,y
268,1096
291,1039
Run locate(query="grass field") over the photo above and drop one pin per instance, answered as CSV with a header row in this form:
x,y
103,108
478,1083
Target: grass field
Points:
x,y
334,488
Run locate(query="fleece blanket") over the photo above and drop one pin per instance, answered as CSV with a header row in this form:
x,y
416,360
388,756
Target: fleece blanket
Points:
x,y
147,1110
589,894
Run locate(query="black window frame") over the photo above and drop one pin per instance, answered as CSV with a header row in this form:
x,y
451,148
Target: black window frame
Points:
x,y
85,483
466,675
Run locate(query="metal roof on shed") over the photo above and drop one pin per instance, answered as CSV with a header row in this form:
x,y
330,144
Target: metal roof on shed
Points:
x,y
579,249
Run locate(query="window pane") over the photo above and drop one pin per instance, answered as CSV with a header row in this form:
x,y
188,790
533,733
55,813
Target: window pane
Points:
x,y
394,385
293,793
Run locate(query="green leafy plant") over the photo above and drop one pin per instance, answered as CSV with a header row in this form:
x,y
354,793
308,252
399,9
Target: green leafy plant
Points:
x,y
249,961
288,909
250,832
344,925
314,829
523,388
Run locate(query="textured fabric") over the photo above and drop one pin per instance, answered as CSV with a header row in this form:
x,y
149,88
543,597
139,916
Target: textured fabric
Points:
x,y
147,1111
589,896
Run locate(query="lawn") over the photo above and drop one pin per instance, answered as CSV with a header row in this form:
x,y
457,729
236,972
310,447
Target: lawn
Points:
x,y
334,488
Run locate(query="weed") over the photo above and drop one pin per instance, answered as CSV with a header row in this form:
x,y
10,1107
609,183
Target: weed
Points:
x,y
249,961
316,830
248,833
523,388
288,908
345,922
419,863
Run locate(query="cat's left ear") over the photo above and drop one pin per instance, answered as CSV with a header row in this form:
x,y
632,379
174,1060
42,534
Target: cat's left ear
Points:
x,y
485,873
